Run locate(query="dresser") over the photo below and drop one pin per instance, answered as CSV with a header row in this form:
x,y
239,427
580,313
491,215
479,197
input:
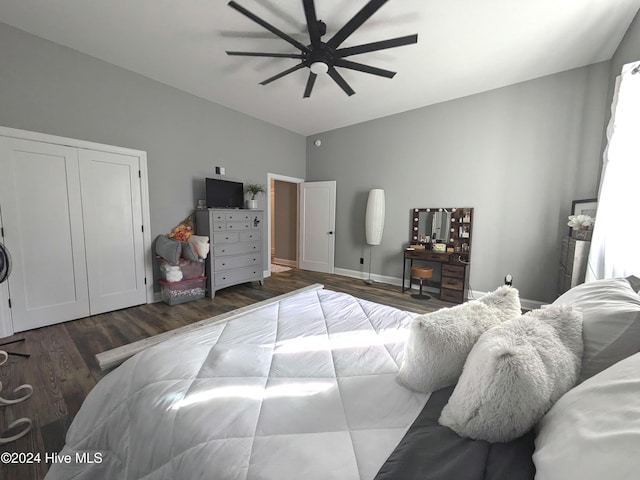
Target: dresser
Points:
x,y
235,255
573,263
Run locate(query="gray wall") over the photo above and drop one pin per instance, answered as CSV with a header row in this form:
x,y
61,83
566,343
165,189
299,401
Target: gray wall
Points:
x,y
518,155
628,51
47,88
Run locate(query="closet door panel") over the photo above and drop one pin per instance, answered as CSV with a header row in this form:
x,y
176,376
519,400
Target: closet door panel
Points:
x,y
112,215
41,209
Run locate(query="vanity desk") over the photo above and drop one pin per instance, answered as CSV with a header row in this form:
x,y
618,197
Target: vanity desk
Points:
x,y
448,230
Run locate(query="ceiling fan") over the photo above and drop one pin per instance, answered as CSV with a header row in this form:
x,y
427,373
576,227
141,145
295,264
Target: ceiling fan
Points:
x,y
323,57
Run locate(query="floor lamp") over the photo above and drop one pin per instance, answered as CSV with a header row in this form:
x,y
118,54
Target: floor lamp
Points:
x,y
374,222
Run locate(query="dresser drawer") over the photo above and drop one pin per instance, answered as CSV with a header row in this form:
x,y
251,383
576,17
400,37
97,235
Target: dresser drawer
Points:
x,y
239,275
219,227
454,296
237,217
217,217
226,237
452,283
427,255
237,248
237,261
452,271
233,226
250,236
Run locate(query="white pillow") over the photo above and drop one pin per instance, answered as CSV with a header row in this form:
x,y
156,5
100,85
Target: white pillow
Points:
x,y
439,342
593,431
201,245
611,322
514,374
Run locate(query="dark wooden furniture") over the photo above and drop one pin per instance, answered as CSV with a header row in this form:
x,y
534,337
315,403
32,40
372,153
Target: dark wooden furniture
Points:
x,y
453,228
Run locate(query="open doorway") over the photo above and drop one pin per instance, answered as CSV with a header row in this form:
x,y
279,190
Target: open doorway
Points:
x,y
283,222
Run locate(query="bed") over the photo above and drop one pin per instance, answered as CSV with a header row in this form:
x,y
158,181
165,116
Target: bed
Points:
x,y
304,387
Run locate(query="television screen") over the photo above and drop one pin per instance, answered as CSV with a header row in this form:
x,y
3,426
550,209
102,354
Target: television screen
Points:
x,y
224,193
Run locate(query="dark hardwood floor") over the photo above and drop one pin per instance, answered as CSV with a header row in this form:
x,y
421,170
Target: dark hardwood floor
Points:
x,y
63,369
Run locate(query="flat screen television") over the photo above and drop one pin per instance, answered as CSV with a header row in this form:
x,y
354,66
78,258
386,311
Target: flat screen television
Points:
x,y
224,193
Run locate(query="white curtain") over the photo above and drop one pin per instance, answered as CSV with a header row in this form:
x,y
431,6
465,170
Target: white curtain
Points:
x,y
615,245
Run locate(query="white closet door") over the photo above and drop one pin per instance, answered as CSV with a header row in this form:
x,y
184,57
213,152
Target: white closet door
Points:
x,y
114,242
42,220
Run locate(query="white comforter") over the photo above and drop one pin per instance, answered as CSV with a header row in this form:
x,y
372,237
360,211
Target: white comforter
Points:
x,y
301,389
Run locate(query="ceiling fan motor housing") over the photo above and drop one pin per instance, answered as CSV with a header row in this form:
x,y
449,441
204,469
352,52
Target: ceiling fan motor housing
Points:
x,y
324,54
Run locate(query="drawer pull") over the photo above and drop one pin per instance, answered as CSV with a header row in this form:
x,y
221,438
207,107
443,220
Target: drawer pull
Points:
x,y
223,264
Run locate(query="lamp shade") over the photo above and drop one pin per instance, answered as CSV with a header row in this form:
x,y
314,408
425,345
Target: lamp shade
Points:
x,y
374,220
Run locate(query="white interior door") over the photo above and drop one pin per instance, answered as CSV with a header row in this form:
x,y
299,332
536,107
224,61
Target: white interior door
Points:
x,y
41,211
317,226
114,241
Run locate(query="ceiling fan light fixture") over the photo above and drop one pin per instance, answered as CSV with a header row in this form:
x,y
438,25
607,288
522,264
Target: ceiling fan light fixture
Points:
x,y
319,68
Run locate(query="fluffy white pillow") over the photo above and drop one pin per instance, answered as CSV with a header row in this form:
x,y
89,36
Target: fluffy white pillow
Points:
x,y
593,431
200,244
439,342
611,321
514,373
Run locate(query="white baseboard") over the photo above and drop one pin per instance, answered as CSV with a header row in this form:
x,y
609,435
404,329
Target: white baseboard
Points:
x,y
473,294
285,262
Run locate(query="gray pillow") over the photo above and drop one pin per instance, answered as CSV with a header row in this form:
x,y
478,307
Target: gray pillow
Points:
x,y
611,322
439,342
168,248
515,373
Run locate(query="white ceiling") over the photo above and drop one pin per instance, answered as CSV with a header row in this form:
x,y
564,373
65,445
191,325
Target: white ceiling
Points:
x,y
464,47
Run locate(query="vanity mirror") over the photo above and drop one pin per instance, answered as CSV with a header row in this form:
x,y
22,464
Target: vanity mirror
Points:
x,y
450,226
432,224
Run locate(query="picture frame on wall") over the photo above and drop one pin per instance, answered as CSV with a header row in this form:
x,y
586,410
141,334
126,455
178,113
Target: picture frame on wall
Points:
x,y
587,206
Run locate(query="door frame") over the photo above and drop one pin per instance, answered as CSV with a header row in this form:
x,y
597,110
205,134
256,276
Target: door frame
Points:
x,y
282,178
6,324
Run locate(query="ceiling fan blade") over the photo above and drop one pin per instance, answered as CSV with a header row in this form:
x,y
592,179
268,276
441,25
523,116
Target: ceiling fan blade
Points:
x,y
268,26
381,45
260,54
282,74
333,73
312,22
310,82
352,25
364,68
